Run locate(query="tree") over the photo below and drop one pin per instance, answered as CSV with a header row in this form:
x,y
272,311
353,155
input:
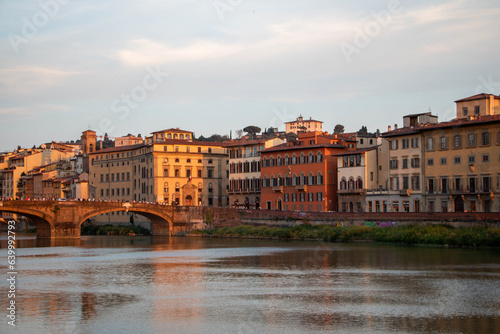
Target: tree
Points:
x,y
252,130
291,137
339,129
239,133
363,131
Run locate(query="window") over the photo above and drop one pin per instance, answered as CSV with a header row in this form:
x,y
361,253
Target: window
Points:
x,y
485,138
444,161
431,186
443,143
395,183
471,139
210,173
444,185
415,182
393,164
457,141
394,144
476,110
486,158
415,162
199,173
472,159
405,163
210,187
414,142
405,143
458,160
406,182
177,173
465,111
430,162
430,144
165,173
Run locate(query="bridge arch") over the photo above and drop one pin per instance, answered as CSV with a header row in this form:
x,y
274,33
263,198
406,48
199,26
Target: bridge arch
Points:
x,y
43,222
162,223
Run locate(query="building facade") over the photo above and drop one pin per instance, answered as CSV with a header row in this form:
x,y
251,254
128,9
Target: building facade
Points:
x,y
170,171
244,171
301,125
363,178
302,176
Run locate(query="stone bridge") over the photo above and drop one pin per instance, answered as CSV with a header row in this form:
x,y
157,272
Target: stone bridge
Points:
x,y
63,219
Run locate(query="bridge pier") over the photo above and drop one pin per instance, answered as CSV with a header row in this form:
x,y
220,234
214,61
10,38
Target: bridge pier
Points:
x,y
59,231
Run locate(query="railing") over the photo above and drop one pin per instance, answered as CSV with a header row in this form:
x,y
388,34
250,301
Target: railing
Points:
x,y
351,191
404,192
243,191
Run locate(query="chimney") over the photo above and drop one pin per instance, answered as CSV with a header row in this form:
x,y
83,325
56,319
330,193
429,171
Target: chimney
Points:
x,y
395,126
389,128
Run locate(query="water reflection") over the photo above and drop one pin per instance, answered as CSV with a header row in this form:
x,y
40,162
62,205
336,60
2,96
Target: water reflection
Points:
x,y
194,285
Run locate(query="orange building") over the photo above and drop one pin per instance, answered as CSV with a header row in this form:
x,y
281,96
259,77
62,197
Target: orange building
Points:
x,y
302,175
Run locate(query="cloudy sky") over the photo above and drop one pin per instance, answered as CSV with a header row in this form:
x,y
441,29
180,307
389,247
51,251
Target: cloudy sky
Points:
x,y
211,66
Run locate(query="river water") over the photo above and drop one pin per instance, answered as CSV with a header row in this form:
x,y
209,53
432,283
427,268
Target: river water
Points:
x,y
198,285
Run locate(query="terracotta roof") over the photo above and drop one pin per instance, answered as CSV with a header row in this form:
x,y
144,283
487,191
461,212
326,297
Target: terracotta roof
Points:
x,y
458,122
361,150
187,142
284,147
420,114
304,120
177,130
118,149
245,142
478,97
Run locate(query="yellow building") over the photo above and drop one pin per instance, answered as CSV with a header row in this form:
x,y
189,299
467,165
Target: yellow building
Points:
x,y
171,171
301,125
478,105
461,160
128,140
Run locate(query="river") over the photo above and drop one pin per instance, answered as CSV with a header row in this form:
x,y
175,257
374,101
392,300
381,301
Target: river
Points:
x,y
199,285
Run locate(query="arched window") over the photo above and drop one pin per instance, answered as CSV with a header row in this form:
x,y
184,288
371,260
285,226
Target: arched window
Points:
x,y
199,161
177,160
177,187
294,159
311,179
200,187
187,136
287,159
210,187
343,183
302,158
175,136
351,183
181,136
271,161
165,187
169,136
319,178
319,157
272,180
359,183
278,161
310,158
264,181
302,179
294,179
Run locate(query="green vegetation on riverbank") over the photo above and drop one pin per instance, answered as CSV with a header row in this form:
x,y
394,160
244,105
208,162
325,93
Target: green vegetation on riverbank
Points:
x,y
114,230
407,235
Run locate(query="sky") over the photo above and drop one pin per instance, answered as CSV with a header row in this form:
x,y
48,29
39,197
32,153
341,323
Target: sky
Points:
x,y
215,66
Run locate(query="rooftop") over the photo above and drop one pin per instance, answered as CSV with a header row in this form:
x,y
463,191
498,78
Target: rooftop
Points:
x,y
478,97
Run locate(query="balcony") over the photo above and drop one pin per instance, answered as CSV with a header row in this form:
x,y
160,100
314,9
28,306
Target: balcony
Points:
x,y
277,189
405,192
243,191
301,187
351,191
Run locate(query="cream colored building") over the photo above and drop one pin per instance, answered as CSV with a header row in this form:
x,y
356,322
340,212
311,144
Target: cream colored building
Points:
x,y
171,171
301,125
24,161
362,178
478,105
128,140
462,159
244,170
